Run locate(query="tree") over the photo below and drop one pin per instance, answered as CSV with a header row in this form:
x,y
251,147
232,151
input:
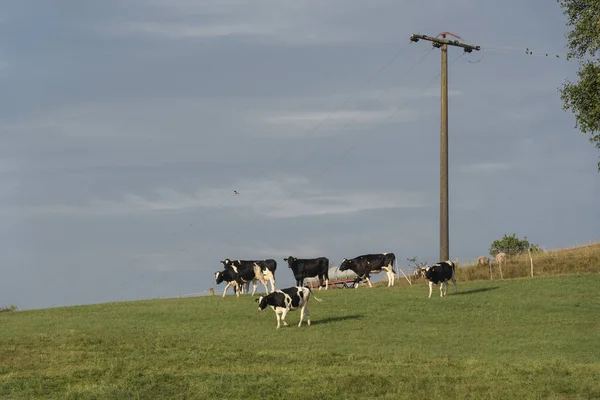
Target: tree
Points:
x,y
512,245
583,96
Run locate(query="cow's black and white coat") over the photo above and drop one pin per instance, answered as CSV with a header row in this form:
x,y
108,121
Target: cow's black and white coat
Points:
x,y
309,267
440,273
368,264
227,275
284,300
246,271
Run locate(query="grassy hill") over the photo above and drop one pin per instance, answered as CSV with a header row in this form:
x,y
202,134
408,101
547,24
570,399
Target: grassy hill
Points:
x,y
515,338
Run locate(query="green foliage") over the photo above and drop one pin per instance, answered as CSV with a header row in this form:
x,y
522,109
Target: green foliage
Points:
x,y
12,307
516,339
512,245
583,97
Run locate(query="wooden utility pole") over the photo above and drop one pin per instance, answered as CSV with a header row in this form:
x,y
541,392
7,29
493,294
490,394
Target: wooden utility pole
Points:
x,y
443,43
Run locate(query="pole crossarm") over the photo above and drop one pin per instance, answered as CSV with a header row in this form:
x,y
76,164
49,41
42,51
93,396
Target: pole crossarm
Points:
x,y
438,42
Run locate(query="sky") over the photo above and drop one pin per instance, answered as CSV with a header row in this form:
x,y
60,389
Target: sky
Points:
x,y
125,127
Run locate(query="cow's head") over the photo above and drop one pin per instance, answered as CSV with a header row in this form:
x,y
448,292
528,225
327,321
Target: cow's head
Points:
x,y
262,303
218,277
290,260
345,264
226,262
421,271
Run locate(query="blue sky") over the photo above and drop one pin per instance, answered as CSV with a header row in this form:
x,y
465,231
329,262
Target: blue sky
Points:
x,y
126,126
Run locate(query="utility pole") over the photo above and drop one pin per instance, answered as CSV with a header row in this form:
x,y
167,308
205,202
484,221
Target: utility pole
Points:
x,y
443,43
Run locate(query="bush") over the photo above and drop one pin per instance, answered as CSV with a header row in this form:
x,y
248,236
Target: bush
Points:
x,y
512,245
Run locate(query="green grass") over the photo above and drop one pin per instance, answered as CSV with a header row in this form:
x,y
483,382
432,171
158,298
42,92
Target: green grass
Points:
x,y
513,339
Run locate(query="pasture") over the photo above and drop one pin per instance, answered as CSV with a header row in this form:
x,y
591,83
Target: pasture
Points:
x,y
521,338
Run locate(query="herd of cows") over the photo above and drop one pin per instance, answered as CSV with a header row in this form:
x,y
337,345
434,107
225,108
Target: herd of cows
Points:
x,y
238,273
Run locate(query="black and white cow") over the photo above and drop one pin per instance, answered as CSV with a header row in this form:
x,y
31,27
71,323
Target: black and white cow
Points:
x,y
284,300
268,268
440,273
246,271
309,267
227,275
368,264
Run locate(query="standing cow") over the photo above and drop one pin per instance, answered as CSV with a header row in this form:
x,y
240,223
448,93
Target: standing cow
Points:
x,y
246,271
501,259
309,267
285,300
440,273
366,264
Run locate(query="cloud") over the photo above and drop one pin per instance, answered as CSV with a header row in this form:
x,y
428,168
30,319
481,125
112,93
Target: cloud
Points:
x,y
485,167
285,198
187,31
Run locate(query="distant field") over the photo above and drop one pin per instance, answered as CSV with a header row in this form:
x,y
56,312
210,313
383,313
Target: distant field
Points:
x,y
513,339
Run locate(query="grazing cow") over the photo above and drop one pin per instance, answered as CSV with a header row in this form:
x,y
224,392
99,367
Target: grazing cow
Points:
x,y
285,300
440,273
245,271
501,259
366,264
485,262
309,267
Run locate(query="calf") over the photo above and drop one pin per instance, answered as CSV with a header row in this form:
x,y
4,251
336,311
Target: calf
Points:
x,y
440,273
366,264
285,300
309,267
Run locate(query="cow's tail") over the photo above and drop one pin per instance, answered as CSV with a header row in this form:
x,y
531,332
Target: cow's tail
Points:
x,y
311,292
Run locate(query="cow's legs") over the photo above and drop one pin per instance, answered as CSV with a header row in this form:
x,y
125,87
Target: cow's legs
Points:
x,y
389,270
278,314
227,287
303,310
455,287
283,314
254,286
258,274
269,277
430,288
369,281
390,275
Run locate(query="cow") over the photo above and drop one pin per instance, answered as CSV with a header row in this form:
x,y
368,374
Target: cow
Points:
x,y
229,276
500,259
284,300
366,264
440,273
246,271
309,267
268,268
485,262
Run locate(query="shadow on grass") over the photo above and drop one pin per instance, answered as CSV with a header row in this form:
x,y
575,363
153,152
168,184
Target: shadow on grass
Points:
x,y
336,319
475,290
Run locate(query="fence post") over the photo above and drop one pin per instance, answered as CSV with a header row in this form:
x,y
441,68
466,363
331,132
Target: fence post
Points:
x,y
530,260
